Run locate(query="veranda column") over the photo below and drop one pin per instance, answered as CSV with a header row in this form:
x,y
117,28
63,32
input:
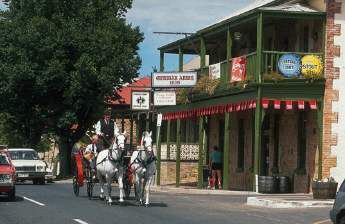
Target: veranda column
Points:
x,y
178,152
180,59
258,109
131,134
201,153
158,130
228,54
226,151
168,139
320,125
202,53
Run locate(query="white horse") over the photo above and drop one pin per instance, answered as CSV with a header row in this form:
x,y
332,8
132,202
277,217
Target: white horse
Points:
x,y
144,166
109,164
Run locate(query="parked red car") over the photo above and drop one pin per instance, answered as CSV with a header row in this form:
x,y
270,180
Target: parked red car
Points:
x,y
7,174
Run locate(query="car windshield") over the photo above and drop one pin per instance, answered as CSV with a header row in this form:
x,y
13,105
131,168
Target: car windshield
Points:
x,y
4,160
24,155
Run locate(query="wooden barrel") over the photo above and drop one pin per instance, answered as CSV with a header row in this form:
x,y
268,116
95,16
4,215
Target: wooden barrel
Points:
x,y
284,185
268,184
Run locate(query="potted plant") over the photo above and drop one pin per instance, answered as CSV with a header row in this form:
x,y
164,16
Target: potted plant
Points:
x,y
324,189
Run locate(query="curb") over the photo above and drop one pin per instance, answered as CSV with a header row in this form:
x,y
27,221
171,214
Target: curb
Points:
x,y
273,203
174,190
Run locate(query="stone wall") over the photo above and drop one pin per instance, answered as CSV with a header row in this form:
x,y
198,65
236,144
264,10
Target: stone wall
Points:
x,y
188,173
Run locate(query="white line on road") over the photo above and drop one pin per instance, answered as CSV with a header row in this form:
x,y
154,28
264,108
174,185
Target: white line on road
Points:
x,y
80,221
323,221
33,201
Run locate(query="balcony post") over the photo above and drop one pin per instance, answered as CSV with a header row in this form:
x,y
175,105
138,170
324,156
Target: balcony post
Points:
x,y
161,61
226,151
258,109
202,53
178,152
228,54
320,125
180,59
259,49
201,146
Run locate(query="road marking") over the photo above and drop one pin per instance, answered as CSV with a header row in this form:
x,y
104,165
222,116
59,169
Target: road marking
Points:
x,y
80,221
33,201
323,221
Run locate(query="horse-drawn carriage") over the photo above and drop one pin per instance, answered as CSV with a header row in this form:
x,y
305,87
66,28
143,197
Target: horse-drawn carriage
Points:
x,y
85,175
114,162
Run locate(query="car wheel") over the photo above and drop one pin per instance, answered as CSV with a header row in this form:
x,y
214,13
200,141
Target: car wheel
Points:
x,y
341,220
12,194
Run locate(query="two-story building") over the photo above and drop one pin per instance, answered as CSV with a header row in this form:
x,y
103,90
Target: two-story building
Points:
x,y
277,108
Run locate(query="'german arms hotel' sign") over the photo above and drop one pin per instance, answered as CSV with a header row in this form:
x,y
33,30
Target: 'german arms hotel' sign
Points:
x,y
174,79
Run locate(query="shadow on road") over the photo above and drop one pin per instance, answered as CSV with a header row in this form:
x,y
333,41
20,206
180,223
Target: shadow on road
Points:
x,y
130,202
5,199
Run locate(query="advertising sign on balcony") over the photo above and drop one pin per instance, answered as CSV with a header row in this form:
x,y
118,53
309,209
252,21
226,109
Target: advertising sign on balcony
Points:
x,y
164,98
311,66
214,71
140,100
289,65
173,79
238,70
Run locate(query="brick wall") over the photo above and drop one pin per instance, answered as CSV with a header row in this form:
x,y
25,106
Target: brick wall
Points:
x,y
333,105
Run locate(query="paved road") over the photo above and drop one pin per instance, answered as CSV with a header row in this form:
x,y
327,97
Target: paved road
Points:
x,y
55,203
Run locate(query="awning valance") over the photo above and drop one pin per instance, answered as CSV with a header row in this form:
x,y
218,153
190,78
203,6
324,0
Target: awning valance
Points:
x,y
241,106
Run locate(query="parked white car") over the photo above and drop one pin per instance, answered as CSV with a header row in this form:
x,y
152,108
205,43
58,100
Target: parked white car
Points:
x,y
28,165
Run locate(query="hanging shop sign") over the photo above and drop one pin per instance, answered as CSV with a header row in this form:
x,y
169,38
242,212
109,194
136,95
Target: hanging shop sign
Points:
x,y
311,66
164,98
140,100
173,79
159,119
238,69
214,71
289,65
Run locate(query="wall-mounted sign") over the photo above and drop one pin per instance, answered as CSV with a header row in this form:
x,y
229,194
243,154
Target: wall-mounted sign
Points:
x,y
140,100
164,98
214,71
238,69
289,65
173,79
311,65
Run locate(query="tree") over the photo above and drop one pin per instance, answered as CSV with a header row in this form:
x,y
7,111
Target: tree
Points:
x,y
59,62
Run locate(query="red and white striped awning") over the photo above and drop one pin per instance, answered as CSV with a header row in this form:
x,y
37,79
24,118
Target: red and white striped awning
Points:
x,y
240,106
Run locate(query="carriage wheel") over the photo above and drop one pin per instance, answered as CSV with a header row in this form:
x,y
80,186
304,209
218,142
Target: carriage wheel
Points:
x,y
89,186
127,188
75,187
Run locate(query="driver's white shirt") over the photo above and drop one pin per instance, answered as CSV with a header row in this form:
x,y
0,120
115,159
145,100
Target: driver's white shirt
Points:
x,y
98,128
91,148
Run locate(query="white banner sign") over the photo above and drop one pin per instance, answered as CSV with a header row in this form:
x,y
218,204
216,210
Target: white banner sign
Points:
x,y
164,98
214,71
140,100
173,79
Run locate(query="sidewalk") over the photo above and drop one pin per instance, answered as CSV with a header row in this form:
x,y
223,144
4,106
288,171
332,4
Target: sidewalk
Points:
x,y
288,201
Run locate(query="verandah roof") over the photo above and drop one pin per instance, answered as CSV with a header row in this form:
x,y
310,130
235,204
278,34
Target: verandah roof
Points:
x,y
190,43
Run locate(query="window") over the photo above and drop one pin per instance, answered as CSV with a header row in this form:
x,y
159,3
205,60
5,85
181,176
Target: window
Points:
x,y
24,155
4,160
240,149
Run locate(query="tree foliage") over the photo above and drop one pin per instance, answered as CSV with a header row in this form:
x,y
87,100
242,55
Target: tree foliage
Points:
x,y
60,60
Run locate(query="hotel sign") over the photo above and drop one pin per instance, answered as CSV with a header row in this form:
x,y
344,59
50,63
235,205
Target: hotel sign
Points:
x,y
174,79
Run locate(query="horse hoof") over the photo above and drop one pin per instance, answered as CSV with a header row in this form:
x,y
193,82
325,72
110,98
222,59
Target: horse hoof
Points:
x,y
121,200
147,205
109,203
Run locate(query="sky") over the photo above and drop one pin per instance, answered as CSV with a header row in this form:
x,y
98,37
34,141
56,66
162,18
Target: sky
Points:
x,y
173,16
